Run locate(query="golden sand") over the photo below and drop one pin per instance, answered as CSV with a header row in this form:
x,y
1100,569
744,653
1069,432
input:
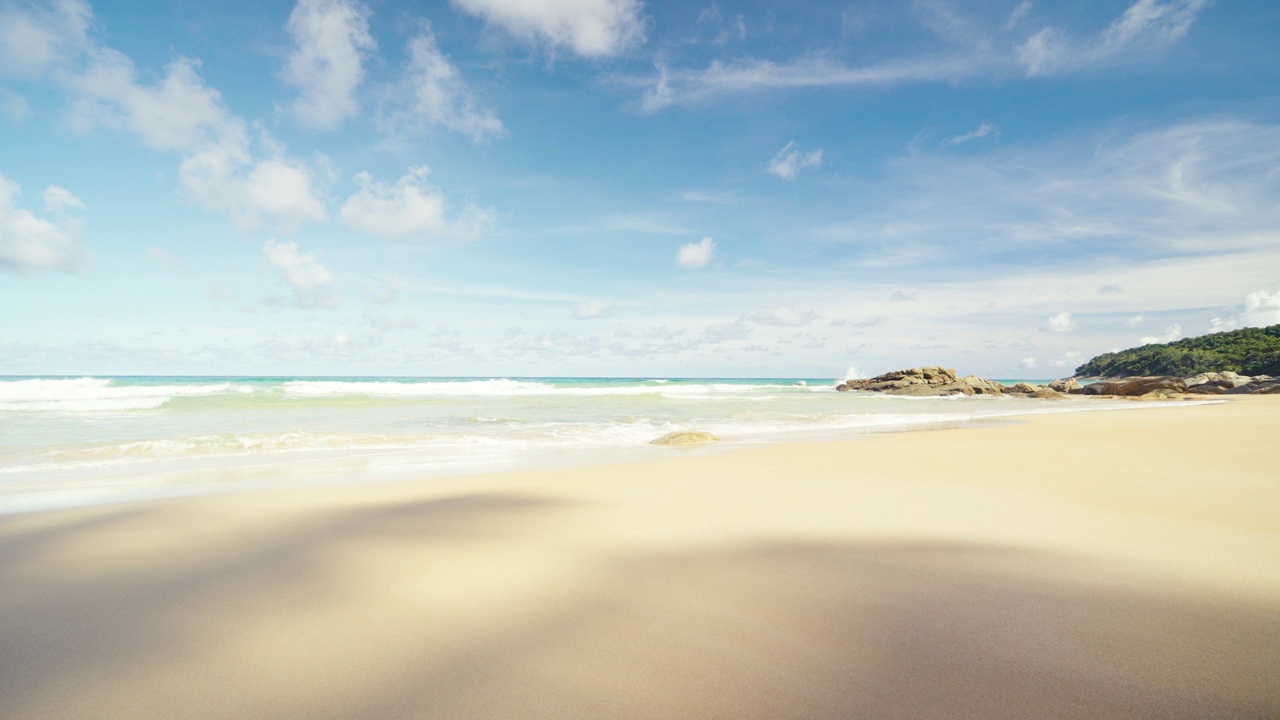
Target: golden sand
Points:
x,y
1117,564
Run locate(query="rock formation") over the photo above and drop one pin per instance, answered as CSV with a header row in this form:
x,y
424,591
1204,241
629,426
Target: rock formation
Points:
x,y
685,438
924,382
1136,386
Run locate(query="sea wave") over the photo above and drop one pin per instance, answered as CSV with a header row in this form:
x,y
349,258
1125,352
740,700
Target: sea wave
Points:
x,y
90,394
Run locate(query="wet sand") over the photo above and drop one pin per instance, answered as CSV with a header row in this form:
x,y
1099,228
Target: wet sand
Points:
x,y
1111,564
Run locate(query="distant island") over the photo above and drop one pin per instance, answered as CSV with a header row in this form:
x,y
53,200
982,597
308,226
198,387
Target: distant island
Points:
x,y
1249,351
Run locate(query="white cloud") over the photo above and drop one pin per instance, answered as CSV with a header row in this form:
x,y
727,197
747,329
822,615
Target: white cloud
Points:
x,y
275,190
784,317
901,296
312,282
1171,333
1068,360
386,293
977,49
34,40
31,245
696,255
1134,321
685,86
432,92
590,28
983,130
1029,363
410,208
789,161
1061,322
1145,25
58,199
592,309
739,329
330,42
1259,309
179,112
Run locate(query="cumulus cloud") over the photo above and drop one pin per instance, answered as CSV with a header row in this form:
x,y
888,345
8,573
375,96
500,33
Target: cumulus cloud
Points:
x,y
983,130
1029,363
276,190
1171,333
697,255
1259,309
1069,359
432,92
31,245
34,40
591,309
410,208
789,161
1135,321
1061,322
59,199
177,112
590,28
312,282
326,64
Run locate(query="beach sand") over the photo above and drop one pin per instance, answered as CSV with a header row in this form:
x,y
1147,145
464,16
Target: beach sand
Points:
x,y
1117,564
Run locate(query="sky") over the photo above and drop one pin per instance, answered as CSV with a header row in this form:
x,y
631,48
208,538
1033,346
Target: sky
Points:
x,y
625,188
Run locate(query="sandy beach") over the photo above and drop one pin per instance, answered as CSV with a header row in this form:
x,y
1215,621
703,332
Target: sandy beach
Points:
x,y
1117,564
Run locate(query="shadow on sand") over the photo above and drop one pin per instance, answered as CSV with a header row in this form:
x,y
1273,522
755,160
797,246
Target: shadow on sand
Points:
x,y
770,630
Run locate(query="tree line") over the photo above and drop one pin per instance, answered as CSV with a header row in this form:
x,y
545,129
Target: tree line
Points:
x,y
1249,351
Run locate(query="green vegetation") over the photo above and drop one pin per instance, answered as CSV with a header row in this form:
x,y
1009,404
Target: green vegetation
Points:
x,y
1251,351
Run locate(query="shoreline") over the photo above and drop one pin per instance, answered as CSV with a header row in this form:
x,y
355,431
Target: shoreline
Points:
x,y
1067,564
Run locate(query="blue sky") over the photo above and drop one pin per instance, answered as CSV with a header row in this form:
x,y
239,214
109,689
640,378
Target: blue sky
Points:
x,y
631,187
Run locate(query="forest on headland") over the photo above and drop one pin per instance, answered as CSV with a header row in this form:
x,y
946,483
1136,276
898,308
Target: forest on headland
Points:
x,y
1248,351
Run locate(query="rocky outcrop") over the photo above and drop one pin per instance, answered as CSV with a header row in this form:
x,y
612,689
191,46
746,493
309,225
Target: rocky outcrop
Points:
x,y
934,381
1066,385
1137,386
1025,389
686,438
1225,380
924,382
1257,387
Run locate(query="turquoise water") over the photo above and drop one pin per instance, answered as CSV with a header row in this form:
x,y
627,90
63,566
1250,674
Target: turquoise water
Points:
x,y
70,441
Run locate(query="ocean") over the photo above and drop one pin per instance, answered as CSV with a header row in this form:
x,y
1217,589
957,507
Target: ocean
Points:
x,y
71,441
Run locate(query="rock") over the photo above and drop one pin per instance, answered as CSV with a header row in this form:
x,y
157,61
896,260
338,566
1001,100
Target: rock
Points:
x,y
1208,388
982,386
1225,380
1065,385
924,382
1267,387
1136,386
686,438
1025,389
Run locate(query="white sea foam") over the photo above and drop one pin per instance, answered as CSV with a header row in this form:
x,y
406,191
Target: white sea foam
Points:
x,y
397,389
89,394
